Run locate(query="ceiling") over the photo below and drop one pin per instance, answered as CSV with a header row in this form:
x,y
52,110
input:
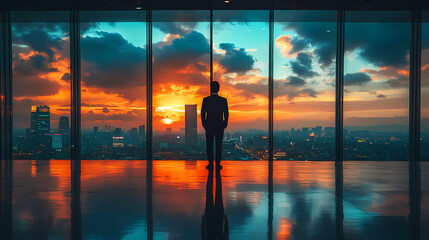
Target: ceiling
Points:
x,y
352,5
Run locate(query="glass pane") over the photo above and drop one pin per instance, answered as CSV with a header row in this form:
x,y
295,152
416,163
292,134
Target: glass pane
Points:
x,y
304,124
41,127
376,125
113,57
424,144
113,85
241,67
181,72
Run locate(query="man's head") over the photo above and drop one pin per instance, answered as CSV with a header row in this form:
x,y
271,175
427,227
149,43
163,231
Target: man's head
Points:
x,y
214,87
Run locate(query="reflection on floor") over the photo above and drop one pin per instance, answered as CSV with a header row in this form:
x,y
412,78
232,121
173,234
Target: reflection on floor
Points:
x,y
114,199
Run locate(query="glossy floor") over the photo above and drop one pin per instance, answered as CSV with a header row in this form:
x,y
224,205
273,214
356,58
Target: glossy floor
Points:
x,y
114,200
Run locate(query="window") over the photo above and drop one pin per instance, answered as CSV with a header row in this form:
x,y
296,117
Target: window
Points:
x,y
376,86
424,125
304,123
240,46
113,85
41,130
181,73
113,91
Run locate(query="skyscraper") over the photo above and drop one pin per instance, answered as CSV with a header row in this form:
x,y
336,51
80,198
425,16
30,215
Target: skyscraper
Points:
x,y
142,135
191,124
40,119
40,140
118,132
64,129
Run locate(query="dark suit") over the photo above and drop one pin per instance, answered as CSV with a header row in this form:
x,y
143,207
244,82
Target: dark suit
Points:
x,y
214,117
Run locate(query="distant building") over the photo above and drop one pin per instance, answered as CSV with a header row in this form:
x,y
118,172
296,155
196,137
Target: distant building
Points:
x,y
134,136
305,132
118,142
40,119
142,135
118,132
95,131
191,125
39,135
57,141
64,130
318,131
169,131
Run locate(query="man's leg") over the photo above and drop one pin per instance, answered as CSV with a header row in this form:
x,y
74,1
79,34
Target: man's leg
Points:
x,y
218,138
209,145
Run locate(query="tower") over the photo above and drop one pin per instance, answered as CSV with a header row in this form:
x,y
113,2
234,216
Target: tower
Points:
x,y
191,125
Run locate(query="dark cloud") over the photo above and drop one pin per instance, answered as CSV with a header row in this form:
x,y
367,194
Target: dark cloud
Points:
x,y
252,90
304,59
397,82
296,81
356,79
381,96
105,110
326,54
111,62
302,66
182,51
40,41
383,44
66,77
236,60
298,44
317,35
311,92
35,65
181,28
32,86
285,88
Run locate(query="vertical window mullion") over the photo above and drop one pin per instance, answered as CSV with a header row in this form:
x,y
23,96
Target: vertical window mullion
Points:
x,y
414,125
75,125
339,100
149,59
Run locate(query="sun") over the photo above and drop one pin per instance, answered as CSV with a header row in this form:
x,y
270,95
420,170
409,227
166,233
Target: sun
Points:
x,y
167,121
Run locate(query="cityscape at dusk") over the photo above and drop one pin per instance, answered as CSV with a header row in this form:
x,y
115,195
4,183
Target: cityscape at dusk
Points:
x,y
324,128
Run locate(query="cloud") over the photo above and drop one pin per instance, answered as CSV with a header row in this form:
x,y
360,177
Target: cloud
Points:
x,y
296,81
356,79
181,28
383,44
236,60
291,91
311,92
381,96
40,41
182,51
66,77
298,45
396,83
317,35
302,66
35,65
112,63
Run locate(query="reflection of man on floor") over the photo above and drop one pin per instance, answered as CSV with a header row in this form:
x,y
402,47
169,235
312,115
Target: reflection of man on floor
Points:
x,y
214,117
214,223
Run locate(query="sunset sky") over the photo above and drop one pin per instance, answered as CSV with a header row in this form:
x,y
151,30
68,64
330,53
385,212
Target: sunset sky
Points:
x,y
114,75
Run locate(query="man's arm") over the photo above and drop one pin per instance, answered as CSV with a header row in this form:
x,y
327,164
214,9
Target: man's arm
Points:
x,y
203,113
225,114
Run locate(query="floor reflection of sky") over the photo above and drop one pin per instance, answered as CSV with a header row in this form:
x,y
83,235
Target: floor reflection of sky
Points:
x,y
114,199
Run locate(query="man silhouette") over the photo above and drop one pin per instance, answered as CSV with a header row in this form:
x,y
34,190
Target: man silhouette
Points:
x,y
214,117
